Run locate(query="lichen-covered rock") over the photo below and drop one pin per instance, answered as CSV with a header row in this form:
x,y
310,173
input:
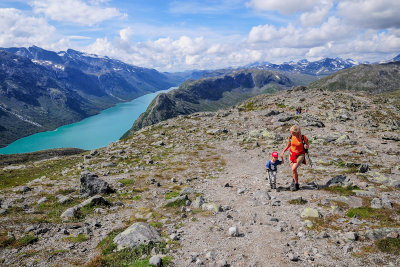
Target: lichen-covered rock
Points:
x,y
310,213
136,234
92,185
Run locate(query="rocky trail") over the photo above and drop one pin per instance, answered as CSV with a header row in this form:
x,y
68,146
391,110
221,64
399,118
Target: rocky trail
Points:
x,y
196,187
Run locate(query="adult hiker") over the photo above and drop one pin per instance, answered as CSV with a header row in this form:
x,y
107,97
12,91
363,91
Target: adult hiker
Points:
x,y
298,145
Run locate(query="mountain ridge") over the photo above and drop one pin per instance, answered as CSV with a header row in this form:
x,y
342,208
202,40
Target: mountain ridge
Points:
x,y
209,94
42,90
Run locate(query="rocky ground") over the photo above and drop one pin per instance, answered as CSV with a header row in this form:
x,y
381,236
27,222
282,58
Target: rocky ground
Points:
x,y
200,181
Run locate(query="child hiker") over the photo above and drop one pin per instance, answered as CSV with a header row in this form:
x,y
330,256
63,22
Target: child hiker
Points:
x,y
272,168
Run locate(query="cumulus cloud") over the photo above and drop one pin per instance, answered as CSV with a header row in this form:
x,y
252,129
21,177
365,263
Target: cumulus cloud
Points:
x,y
16,29
286,7
374,14
317,15
290,36
75,11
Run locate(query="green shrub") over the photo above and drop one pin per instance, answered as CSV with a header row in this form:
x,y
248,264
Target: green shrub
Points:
x,y
389,245
298,201
77,239
343,191
25,240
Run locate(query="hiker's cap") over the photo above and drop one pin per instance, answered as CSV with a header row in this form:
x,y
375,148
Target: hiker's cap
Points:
x,y
275,154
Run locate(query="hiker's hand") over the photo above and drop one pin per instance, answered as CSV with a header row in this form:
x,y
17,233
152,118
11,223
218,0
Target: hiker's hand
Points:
x,y
305,146
283,161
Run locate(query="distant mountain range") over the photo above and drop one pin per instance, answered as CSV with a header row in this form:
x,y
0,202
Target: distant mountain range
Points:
x,y
210,94
373,78
321,67
41,90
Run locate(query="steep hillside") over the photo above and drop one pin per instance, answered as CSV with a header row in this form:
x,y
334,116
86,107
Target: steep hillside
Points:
x,y
210,94
41,90
199,181
374,78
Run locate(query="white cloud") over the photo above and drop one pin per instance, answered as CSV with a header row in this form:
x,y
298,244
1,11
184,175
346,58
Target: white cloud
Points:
x,y
75,11
16,29
286,7
290,36
374,14
126,34
317,15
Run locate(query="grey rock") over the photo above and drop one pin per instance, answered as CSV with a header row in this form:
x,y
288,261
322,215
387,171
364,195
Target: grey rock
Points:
x,y
241,191
375,234
386,203
30,229
285,118
363,168
69,213
310,212
42,200
3,211
211,255
292,257
177,199
391,137
347,248
94,201
233,231
108,164
211,207
63,199
25,189
42,231
199,201
187,190
155,261
336,180
376,203
351,236
136,234
92,185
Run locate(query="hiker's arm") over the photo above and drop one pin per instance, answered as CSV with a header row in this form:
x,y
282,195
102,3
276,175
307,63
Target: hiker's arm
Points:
x,y
306,146
286,148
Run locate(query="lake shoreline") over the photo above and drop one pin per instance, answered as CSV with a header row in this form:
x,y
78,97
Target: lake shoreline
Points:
x,y
90,133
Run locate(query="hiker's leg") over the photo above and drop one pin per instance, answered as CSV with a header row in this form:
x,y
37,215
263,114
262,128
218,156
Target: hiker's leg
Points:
x,y
294,172
273,176
296,165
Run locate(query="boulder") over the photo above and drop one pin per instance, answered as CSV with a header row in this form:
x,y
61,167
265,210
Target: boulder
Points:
x,y
310,213
136,234
211,207
376,203
69,213
155,261
94,201
199,201
339,179
92,185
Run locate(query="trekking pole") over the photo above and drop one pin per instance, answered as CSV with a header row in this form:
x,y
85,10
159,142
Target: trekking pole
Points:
x,y
309,159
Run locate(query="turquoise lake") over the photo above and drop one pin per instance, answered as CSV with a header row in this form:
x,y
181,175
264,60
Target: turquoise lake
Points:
x,y
91,133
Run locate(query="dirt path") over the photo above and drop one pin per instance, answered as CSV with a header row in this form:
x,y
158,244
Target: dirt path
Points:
x,y
270,230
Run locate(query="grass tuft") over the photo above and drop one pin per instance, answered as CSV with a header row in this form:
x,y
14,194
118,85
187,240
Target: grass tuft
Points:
x,y
298,201
343,191
389,245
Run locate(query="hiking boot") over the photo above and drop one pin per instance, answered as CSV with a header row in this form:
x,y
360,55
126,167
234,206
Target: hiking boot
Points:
x,y
297,186
293,187
274,185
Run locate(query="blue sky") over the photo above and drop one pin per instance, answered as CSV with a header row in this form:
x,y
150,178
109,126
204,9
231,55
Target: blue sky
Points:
x,y
180,35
